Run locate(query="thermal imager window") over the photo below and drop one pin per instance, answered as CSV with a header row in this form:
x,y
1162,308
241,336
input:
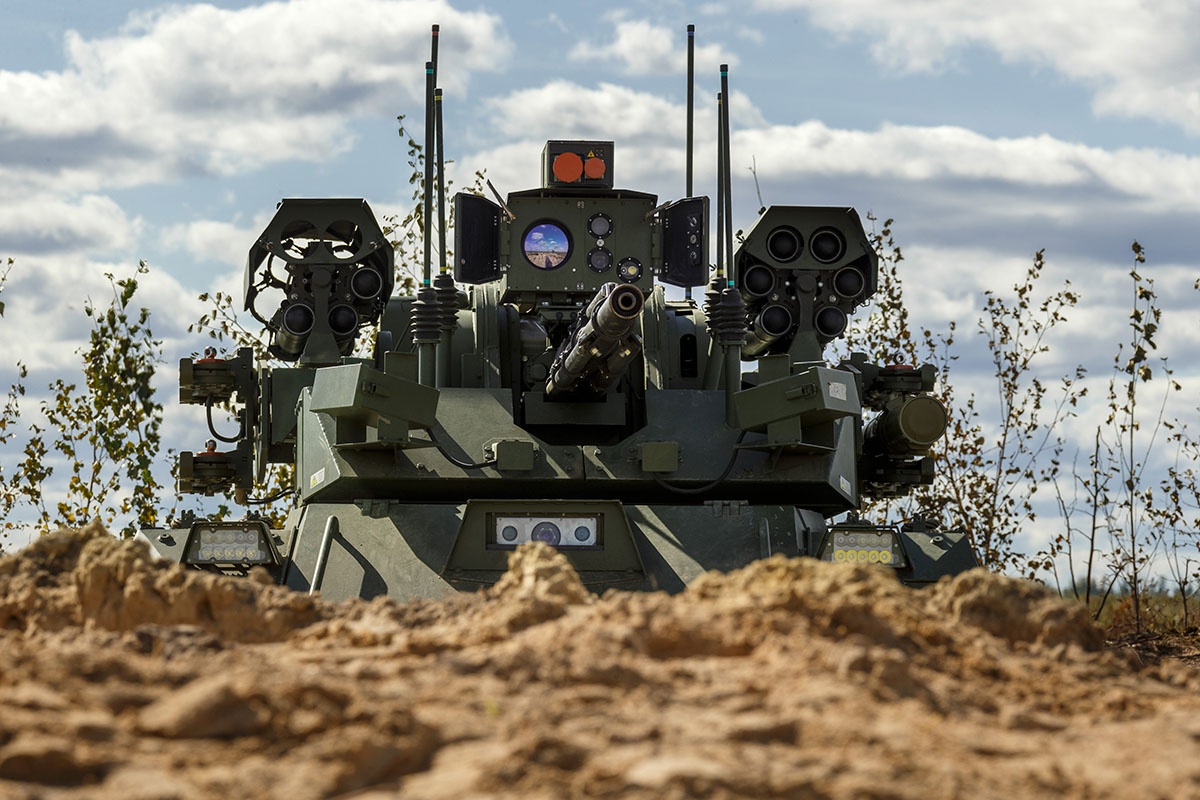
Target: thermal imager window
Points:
x,y
546,245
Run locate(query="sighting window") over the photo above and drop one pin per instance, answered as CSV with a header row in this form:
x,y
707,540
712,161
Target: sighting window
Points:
x,y
546,245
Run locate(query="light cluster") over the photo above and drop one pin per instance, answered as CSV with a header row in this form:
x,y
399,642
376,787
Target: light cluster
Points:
x,y
864,547
238,543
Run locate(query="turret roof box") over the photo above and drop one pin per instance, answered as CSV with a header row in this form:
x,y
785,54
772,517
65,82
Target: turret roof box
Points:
x,y
577,165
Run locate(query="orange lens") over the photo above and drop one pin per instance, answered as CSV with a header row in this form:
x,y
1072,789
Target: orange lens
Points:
x,y
568,167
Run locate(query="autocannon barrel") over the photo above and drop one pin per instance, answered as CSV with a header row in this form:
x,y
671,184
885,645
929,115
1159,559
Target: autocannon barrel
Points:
x,y
603,343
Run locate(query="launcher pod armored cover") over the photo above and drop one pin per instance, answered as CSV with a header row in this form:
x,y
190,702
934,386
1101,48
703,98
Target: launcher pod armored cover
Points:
x,y
553,383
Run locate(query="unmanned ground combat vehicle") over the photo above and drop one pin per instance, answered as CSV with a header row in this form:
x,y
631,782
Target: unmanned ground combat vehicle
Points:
x,y
556,382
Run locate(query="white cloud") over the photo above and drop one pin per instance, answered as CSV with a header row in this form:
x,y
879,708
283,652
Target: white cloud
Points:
x,y
195,89
752,35
198,89
1154,180
648,130
1139,58
556,22
214,240
644,48
940,181
561,109
37,222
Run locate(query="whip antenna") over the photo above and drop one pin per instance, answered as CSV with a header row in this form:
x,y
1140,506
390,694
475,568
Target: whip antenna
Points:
x,y
726,177
691,102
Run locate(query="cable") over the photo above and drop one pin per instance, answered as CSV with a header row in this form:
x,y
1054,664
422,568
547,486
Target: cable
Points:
x,y
461,464
464,464
213,430
708,486
258,501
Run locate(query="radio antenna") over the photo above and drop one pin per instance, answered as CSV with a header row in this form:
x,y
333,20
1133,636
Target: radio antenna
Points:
x,y
726,176
721,210
433,52
427,193
443,284
691,102
441,180
426,311
439,156
691,94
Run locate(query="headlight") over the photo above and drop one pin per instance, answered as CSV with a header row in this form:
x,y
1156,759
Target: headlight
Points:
x,y
505,532
234,543
863,545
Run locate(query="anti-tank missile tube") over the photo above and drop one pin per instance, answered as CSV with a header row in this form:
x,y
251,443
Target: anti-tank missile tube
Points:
x,y
907,427
771,323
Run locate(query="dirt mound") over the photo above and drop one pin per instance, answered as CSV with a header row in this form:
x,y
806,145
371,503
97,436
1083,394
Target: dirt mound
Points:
x,y
86,577
123,677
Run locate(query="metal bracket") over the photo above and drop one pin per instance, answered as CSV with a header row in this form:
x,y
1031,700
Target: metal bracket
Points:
x,y
726,508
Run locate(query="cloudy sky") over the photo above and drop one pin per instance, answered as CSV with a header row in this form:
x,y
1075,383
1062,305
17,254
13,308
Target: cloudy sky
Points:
x,y
135,129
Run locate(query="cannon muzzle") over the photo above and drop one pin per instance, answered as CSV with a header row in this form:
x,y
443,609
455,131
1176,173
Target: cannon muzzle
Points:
x,y
602,345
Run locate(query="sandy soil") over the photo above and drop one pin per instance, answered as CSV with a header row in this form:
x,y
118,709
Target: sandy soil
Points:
x,y
121,677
